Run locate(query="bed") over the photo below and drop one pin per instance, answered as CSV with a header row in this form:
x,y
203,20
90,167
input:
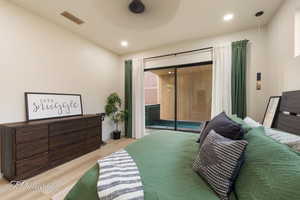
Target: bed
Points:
x,y
165,159
288,116
286,126
164,175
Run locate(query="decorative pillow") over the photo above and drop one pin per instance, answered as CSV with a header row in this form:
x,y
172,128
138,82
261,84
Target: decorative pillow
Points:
x,y
219,162
204,124
271,170
293,141
223,125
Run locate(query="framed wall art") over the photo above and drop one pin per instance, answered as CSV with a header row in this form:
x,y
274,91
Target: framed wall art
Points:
x,y
271,111
52,105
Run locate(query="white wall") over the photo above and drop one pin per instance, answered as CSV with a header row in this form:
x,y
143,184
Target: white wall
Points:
x,y
284,67
297,32
38,56
257,62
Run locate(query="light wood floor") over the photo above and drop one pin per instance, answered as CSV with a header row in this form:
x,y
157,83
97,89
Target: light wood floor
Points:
x,y
61,178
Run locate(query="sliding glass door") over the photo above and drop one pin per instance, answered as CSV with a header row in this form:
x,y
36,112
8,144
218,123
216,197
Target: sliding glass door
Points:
x,y
178,98
160,98
194,94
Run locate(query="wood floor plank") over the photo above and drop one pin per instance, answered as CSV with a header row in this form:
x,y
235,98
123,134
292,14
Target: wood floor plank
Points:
x,y
61,178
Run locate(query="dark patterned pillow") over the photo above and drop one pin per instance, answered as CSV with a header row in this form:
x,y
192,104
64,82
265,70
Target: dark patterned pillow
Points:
x,y
224,126
204,124
219,162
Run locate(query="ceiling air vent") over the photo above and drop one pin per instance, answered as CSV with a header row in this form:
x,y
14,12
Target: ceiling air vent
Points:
x,y
72,17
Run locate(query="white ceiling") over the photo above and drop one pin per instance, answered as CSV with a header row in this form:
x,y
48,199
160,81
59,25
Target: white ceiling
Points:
x,y
107,22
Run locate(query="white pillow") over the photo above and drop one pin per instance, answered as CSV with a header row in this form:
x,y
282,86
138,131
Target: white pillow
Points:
x,y
289,139
251,122
293,141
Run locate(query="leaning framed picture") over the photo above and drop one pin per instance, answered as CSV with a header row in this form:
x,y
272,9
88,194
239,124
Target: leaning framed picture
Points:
x,y
271,111
52,105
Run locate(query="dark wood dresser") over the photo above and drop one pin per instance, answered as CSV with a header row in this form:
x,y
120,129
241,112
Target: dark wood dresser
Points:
x,y
29,148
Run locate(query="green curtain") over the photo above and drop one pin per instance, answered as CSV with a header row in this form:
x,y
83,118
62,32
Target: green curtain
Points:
x,y
239,61
128,98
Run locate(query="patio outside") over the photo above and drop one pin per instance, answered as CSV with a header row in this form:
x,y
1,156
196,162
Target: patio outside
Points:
x,y
194,87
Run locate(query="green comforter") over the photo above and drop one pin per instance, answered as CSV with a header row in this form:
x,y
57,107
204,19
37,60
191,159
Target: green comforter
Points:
x,y
165,162
271,170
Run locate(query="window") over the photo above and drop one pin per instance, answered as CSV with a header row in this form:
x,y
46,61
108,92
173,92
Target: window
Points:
x,y
297,32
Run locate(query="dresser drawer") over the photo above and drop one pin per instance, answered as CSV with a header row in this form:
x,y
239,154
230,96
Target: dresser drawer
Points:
x,y
93,122
93,143
31,133
66,139
58,162
31,148
30,167
66,126
92,132
67,152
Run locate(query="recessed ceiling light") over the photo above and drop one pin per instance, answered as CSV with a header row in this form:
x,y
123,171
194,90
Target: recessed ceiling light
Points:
x,y
124,43
228,17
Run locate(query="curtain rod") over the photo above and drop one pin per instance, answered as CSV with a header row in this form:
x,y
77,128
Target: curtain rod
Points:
x,y
175,54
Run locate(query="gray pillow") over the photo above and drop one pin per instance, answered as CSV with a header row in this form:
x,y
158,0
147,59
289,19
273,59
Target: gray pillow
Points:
x,y
203,126
224,126
219,162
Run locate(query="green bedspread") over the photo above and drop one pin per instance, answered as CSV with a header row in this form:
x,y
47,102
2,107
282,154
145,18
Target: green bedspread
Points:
x,y
165,162
271,170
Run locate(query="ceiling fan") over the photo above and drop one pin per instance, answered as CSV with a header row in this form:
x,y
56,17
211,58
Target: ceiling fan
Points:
x,y
137,7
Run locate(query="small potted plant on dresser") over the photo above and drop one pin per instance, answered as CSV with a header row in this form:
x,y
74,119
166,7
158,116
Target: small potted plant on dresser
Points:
x,y
114,112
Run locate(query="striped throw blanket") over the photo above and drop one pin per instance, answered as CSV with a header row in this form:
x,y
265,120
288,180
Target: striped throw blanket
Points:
x,y
119,178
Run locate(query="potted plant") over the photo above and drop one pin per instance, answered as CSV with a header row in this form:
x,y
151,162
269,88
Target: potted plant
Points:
x,y
114,112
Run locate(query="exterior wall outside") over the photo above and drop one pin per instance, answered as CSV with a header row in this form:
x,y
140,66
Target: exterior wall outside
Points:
x,y
151,88
194,93
167,96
